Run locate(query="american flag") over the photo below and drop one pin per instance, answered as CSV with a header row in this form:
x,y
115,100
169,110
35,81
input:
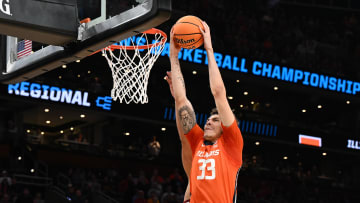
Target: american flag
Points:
x,y
24,48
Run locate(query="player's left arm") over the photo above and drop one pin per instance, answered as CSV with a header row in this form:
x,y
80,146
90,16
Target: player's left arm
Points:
x,y
216,83
231,133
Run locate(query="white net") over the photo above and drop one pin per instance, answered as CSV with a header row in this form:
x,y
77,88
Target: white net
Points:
x,y
132,64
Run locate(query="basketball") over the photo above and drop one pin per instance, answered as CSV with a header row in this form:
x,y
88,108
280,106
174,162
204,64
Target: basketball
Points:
x,y
187,32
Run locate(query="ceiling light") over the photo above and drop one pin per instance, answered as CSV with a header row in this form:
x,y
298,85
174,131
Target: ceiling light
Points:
x,y
78,75
319,106
89,71
32,170
230,97
252,102
257,143
347,102
324,153
241,106
64,66
194,72
48,122
61,117
19,158
42,133
237,81
61,131
163,129
304,110
276,88
28,131
246,93
82,116
46,110
71,128
78,61
285,157
127,133
60,77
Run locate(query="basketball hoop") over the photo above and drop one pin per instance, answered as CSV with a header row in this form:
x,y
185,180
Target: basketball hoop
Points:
x,y
132,65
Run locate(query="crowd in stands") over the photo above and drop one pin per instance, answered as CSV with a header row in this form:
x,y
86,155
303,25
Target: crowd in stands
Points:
x,y
12,192
257,182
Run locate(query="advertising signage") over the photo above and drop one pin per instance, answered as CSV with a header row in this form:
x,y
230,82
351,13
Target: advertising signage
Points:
x,y
59,95
270,71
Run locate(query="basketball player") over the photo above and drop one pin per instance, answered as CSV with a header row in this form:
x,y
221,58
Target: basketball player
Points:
x,y
216,150
186,155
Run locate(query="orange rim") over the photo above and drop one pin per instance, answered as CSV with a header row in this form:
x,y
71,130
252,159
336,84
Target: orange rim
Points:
x,y
150,31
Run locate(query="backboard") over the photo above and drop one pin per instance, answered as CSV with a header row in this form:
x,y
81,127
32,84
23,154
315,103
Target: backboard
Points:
x,y
42,41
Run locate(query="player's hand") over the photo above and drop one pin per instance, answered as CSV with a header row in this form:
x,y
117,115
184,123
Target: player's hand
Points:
x,y
207,36
169,81
174,48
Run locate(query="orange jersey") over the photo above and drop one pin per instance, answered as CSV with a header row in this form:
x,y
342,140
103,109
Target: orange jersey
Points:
x,y
215,167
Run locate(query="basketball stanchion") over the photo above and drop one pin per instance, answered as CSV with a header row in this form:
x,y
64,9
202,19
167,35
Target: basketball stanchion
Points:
x,y
131,61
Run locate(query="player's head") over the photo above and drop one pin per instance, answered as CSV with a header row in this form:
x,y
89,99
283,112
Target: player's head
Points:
x,y
212,128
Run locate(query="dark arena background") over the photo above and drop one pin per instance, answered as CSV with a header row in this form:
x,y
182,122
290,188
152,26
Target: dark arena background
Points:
x,y
291,69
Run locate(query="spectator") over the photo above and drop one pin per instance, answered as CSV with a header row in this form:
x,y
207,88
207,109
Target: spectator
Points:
x,y
25,197
168,195
139,197
5,198
38,198
78,198
154,147
153,198
5,183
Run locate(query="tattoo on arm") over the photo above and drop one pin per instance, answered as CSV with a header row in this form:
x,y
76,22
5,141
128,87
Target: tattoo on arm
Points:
x,y
187,118
176,67
181,80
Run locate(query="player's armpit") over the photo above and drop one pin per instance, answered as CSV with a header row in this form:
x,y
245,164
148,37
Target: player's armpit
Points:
x,y
187,117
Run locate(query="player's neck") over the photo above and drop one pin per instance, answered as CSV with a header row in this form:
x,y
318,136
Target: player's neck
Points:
x,y
208,142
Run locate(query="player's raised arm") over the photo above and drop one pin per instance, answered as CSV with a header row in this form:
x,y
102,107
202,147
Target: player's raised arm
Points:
x,y
184,108
216,83
186,153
